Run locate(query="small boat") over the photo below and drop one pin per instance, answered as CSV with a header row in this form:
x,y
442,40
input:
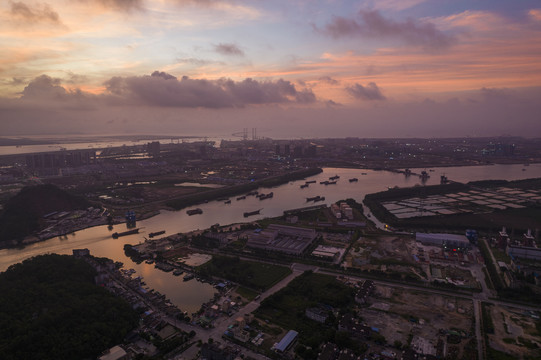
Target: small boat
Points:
x,y
194,211
304,186
152,234
326,182
315,198
250,213
178,272
241,198
353,180
116,235
335,177
227,201
266,196
149,261
252,193
310,182
188,277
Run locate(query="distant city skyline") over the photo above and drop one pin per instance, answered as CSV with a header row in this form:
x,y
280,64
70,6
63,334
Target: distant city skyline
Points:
x,y
388,68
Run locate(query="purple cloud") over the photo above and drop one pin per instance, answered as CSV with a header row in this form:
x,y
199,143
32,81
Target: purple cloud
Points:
x,y
329,80
371,24
228,49
43,13
368,92
162,89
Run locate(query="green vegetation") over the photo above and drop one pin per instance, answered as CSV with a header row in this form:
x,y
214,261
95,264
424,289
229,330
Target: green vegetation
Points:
x,y
488,324
287,308
500,255
491,267
494,354
252,274
51,309
246,293
22,212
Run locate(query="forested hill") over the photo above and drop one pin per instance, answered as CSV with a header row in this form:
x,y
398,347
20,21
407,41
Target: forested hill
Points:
x,y
51,309
22,212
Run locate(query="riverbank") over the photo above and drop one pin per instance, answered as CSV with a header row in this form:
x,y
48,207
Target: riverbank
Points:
x,y
194,199
147,211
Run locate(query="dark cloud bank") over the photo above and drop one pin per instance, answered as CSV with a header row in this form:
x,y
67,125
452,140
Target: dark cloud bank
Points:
x,y
371,24
368,92
162,89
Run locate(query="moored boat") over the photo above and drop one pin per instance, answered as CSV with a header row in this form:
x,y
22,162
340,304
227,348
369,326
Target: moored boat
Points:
x,y
116,235
194,211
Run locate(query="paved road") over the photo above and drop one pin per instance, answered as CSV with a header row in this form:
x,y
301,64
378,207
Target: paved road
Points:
x,y
221,324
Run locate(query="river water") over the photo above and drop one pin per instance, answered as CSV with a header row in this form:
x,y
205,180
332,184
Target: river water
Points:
x,y
191,294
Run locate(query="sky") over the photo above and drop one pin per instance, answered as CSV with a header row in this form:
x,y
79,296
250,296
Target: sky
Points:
x,y
308,68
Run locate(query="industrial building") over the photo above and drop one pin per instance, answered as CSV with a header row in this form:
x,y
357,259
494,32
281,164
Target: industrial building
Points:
x,y
281,238
287,341
524,252
317,314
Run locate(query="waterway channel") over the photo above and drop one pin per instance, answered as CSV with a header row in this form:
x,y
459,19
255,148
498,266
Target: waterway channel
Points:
x,y
190,295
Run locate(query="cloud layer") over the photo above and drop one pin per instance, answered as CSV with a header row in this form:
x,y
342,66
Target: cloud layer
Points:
x,y
162,89
39,13
372,25
368,92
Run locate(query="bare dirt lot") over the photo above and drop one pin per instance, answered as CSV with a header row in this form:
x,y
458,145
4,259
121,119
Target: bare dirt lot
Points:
x,y
515,333
425,321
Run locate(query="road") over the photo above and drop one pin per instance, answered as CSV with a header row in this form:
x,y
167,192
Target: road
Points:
x,y
221,324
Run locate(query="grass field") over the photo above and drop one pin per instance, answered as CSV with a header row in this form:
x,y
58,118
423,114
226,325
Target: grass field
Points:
x,y
254,275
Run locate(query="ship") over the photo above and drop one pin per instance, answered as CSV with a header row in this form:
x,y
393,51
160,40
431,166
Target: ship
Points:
x,y
194,211
152,234
116,235
178,272
250,213
164,267
315,198
266,196
304,186
353,180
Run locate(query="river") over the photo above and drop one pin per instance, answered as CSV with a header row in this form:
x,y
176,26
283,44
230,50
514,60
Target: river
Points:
x,y
191,294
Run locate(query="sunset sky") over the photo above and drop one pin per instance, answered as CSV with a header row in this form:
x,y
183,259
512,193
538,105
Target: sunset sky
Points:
x,y
373,68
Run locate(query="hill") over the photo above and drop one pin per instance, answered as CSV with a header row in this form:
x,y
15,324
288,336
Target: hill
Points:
x,y
50,308
22,212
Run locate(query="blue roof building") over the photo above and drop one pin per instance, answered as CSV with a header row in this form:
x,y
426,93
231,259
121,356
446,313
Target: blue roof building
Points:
x,y
286,341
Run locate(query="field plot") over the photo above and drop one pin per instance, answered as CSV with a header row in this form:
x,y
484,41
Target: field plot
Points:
x,y
461,202
515,333
432,324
